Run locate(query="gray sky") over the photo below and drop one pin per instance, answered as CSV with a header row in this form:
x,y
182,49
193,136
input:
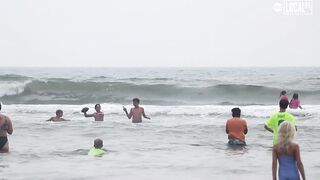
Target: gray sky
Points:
x,y
155,33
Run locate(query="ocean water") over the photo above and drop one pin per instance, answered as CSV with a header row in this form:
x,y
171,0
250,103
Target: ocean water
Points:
x,y
185,139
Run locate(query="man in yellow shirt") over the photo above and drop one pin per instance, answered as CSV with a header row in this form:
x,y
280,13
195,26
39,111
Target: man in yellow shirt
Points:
x,y
277,118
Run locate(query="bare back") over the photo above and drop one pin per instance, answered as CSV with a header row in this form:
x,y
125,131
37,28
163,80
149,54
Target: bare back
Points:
x,y
290,151
5,126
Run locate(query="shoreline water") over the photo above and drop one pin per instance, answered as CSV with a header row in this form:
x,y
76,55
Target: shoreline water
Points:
x,y
182,141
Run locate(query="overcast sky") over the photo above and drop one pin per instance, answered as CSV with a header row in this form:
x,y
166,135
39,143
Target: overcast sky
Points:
x,y
155,33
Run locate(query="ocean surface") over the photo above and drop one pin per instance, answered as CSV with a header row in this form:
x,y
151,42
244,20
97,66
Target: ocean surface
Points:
x,y
185,139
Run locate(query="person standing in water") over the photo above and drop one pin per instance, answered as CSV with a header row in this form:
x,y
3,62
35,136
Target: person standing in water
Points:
x,y
5,129
58,117
136,112
236,128
276,119
295,102
283,95
287,154
98,115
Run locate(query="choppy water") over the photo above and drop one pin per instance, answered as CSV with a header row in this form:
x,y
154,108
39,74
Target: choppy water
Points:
x,y
157,85
180,142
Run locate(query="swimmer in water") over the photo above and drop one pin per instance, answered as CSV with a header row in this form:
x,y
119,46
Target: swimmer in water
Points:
x,y
236,128
295,102
98,115
58,117
136,112
97,149
277,118
283,95
5,129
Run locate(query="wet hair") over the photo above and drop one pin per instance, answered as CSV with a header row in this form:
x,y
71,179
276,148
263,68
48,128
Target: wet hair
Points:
x,y
98,143
286,133
283,104
136,100
236,112
59,111
295,96
283,93
95,106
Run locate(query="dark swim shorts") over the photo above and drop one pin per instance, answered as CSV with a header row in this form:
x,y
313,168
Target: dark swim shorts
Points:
x,y
236,142
3,141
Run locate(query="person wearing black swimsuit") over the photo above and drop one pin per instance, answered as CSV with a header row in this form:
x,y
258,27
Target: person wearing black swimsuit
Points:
x,y
5,129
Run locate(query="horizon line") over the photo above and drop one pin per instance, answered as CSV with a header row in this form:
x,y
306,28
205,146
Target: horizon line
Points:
x,y
161,66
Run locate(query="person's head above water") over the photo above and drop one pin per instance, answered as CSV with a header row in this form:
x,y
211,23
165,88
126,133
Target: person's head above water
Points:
x,y
136,101
295,96
97,107
283,104
98,143
286,133
236,112
283,93
59,113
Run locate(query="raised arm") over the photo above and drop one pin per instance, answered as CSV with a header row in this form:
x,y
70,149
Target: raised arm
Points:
x,y
129,115
144,114
50,119
274,164
299,162
88,115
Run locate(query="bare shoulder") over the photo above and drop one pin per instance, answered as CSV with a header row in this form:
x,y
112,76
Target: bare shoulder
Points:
x,y
295,146
7,118
276,148
97,114
243,120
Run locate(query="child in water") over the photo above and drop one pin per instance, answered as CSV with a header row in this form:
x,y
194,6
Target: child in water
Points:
x,y
283,95
58,117
97,148
98,115
136,112
295,102
287,154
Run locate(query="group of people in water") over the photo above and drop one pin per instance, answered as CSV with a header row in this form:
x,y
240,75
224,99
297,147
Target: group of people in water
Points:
x,y
282,124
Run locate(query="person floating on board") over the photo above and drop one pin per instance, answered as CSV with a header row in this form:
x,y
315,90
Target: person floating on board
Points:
x,y
295,102
236,128
58,117
5,129
98,115
283,95
277,118
287,153
136,112
97,149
